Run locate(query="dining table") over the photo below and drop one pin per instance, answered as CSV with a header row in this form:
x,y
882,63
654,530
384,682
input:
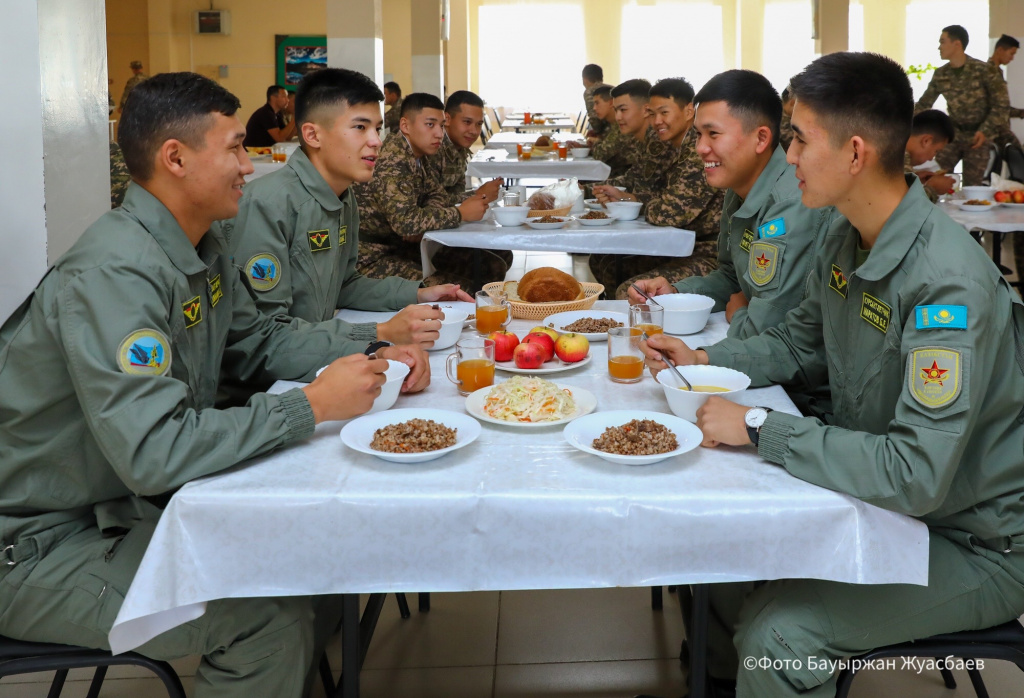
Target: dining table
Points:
x,y
518,508
555,124
999,220
492,162
509,140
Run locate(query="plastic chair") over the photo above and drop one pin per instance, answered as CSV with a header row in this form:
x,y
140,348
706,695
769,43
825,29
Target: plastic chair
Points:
x,y
20,657
1005,642
1013,157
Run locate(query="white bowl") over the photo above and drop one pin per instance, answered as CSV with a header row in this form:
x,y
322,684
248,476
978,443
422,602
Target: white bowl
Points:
x,y
988,193
394,375
451,325
579,152
581,433
593,204
685,403
595,221
624,210
511,216
685,313
358,433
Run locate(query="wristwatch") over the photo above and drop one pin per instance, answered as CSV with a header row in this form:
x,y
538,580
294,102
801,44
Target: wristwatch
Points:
x,y
754,419
375,347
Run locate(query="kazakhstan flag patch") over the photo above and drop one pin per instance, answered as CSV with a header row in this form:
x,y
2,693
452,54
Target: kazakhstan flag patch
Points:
x,y
772,229
934,317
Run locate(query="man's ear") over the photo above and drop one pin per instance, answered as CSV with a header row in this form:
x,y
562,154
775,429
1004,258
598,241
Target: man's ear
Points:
x,y
764,139
858,154
405,126
171,156
310,134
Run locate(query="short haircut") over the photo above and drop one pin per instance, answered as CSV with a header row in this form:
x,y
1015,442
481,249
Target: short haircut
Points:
x,y
593,72
273,90
957,33
393,87
678,89
331,89
860,94
934,122
787,94
749,96
169,105
459,97
604,92
638,89
417,102
1007,41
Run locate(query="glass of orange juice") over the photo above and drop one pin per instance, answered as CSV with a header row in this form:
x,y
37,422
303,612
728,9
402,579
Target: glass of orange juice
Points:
x,y
563,151
473,364
527,152
527,117
492,312
648,317
625,359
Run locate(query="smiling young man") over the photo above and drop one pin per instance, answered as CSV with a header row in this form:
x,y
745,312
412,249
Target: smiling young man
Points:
x,y
922,342
108,374
463,121
609,146
305,221
405,199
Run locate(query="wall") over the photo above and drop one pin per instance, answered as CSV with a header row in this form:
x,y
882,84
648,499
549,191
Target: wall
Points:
x,y
397,17
127,41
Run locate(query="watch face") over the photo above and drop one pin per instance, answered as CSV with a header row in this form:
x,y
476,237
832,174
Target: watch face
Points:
x,y
755,417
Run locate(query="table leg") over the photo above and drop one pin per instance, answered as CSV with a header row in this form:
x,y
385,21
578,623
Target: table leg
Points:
x,y
698,641
356,634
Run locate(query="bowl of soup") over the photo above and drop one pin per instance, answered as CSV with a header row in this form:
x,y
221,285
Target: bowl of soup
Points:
x,y
706,381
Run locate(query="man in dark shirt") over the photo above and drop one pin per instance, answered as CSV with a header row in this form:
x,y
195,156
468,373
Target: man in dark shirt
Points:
x,y
266,125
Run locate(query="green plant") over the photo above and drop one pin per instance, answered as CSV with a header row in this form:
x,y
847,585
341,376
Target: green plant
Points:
x,y
919,71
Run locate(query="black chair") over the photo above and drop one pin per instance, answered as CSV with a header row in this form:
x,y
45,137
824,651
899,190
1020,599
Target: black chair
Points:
x,y
1013,156
18,657
1005,642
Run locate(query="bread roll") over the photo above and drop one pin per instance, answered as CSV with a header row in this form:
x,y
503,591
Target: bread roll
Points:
x,y
547,284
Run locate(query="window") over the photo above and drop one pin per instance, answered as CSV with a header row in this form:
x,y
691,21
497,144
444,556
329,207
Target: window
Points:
x,y
856,30
787,46
656,43
925,20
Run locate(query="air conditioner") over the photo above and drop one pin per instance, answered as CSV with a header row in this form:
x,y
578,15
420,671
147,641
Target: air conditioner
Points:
x,y
212,22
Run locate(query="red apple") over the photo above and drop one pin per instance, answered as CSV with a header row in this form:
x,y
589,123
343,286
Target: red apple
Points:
x,y
1018,197
1003,197
545,341
528,355
572,347
546,330
504,344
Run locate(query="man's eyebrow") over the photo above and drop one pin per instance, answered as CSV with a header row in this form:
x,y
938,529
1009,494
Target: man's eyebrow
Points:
x,y
362,120
796,129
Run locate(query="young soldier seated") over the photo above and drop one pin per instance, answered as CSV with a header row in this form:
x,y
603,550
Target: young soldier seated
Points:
x,y
922,342
463,121
610,146
931,132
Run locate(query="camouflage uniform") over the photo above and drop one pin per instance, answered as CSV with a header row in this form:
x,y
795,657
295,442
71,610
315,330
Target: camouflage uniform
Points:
x,y
1006,135
448,165
786,131
588,100
976,100
686,201
403,201
392,116
119,176
651,159
130,85
611,150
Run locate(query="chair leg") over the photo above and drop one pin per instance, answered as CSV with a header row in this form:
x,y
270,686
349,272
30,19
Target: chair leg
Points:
x,y
424,601
97,682
57,687
947,677
844,682
326,677
979,685
656,598
403,605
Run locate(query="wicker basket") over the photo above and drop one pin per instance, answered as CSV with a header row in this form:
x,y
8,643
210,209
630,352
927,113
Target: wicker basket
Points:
x,y
536,212
521,310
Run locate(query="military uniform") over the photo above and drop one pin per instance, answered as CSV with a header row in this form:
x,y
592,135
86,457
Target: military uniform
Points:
x,y
403,201
786,131
976,100
686,201
119,175
922,342
588,100
392,116
650,161
449,167
133,81
612,150
108,374
1005,133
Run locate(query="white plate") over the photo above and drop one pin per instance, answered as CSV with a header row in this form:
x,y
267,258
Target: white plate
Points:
x,y
532,222
554,366
593,204
358,433
1012,205
970,208
586,402
562,319
582,432
594,221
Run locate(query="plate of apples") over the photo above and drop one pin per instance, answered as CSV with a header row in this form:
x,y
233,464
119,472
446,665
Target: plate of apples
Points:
x,y
1011,199
542,350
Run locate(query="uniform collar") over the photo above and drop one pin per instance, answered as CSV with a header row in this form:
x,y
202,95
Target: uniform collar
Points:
x,y
157,219
313,181
765,183
898,234
450,145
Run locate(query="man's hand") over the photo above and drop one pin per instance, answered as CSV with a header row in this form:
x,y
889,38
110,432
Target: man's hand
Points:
x,y
658,286
413,324
675,349
473,208
978,140
736,301
346,388
416,359
489,191
606,192
940,184
722,422
442,292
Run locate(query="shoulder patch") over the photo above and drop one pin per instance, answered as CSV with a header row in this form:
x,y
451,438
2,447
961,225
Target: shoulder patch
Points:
x,y
319,240
763,262
875,312
144,352
746,240
838,282
772,229
264,271
934,317
934,376
192,309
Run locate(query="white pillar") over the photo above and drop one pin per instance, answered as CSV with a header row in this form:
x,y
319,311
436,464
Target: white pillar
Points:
x,y
355,38
427,59
56,178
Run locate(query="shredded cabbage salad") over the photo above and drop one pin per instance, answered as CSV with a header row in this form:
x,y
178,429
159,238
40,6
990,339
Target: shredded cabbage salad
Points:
x,y
529,399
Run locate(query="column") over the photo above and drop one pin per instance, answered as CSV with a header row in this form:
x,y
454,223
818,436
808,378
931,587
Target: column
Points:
x,y
833,26
355,39
457,60
427,61
749,33
56,179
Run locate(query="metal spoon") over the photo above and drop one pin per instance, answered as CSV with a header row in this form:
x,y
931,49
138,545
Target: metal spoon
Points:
x,y
650,299
672,365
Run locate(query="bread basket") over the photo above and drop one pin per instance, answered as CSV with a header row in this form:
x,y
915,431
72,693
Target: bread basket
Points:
x,y
521,310
534,212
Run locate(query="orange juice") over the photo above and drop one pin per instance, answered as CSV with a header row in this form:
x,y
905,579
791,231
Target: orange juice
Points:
x,y
474,374
526,154
649,329
280,157
625,368
489,318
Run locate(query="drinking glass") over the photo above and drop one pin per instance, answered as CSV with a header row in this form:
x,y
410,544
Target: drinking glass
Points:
x,y
473,362
625,359
492,313
650,318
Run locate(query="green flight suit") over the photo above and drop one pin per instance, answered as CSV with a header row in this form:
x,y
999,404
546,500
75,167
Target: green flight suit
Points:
x,y
923,346
108,374
294,216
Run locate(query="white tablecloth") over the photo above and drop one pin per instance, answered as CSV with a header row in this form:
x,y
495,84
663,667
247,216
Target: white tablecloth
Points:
x,y
1001,219
555,125
621,237
514,510
508,140
498,162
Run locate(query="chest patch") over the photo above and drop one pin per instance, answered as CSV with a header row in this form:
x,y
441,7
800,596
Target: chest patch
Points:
x,y
264,271
772,229
319,240
934,376
763,262
144,353
342,235
193,312
215,291
746,240
934,317
837,281
875,312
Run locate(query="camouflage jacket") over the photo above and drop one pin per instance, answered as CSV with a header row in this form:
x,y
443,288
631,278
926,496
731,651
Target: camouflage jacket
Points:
x,y
1015,113
392,116
651,159
448,165
403,200
976,97
129,86
119,175
687,200
612,149
785,131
